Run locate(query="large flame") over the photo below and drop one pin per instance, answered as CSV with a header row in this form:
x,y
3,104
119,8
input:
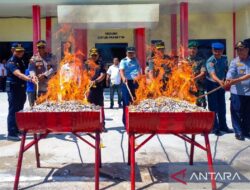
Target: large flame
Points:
x,y
180,82
71,82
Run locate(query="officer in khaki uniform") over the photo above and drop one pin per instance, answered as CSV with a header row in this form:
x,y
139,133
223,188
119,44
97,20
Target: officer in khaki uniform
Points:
x,y
199,72
43,65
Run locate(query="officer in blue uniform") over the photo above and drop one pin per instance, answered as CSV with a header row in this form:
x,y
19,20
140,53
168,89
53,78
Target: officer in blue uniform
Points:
x,y
239,77
129,70
217,66
15,87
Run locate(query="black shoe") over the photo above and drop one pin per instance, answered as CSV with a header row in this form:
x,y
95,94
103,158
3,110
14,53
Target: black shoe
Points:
x,y
240,137
217,133
104,129
111,107
227,130
247,135
120,106
13,138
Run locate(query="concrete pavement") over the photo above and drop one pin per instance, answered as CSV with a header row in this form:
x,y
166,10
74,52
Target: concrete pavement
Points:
x,y
67,163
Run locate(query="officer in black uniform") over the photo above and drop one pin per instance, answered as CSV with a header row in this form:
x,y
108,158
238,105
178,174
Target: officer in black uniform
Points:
x,y
160,61
97,72
15,87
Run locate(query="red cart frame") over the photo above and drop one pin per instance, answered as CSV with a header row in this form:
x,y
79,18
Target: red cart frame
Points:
x,y
178,124
40,124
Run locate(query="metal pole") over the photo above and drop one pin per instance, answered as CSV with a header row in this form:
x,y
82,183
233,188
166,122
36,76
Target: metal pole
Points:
x,y
20,159
132,160
140,47
174,34
192,151
36,25
210,162
37,151
184,28
97,158
48,33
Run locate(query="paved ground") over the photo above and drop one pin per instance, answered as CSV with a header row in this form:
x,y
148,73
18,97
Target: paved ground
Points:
x,y
67,163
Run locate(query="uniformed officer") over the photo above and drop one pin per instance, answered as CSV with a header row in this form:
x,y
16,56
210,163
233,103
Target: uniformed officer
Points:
x,y
16,87
43,65
129,70
239,77
217,66
97,72
154,67
199,72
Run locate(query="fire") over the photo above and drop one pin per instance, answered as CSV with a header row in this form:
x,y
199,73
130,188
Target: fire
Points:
x,y
71,82
179,84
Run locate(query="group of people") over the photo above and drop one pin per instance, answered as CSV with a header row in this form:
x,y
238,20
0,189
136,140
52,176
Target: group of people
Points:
x,y
21,78
210,74
213,74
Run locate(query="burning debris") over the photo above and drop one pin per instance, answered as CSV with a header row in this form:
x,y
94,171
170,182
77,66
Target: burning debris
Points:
x,y
64,106
165,104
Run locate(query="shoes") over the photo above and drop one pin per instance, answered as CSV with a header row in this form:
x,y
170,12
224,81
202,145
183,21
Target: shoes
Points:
x,y
240,137
247,135
111,107
227,130
104,129
217,133
13,138
120,106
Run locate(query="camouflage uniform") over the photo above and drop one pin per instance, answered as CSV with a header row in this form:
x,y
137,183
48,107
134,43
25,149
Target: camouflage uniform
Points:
x,y
198,66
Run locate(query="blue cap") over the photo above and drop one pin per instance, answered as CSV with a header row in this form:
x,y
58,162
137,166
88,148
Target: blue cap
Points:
x,y
13,45
18,47
130,49
217,46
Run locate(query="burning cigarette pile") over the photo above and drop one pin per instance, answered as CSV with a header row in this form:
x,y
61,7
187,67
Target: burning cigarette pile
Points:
x,y
65,106
165,104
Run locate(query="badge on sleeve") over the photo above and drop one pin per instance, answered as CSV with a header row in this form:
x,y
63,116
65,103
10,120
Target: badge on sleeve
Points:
x,y
239,64
242,71
211,64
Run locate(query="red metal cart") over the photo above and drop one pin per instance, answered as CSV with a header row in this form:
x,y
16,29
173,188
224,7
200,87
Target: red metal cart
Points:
x,y
40,124
178,124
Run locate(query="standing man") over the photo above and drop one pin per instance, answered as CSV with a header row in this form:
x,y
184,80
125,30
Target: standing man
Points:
x,y
239,77
15,87
114,77
129,70
199,72
43,65
160,59
3,75
95,68
217,66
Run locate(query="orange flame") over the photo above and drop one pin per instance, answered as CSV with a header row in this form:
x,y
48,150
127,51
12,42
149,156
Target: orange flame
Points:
x,y
179,84
70,82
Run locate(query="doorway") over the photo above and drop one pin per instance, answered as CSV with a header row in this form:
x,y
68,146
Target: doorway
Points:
x,y
110,50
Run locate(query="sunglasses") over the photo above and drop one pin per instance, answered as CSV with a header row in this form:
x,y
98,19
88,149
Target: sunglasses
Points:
x,y
41,47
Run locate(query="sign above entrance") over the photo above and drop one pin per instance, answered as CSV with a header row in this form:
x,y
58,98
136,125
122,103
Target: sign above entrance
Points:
x,y
109,16
111,35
